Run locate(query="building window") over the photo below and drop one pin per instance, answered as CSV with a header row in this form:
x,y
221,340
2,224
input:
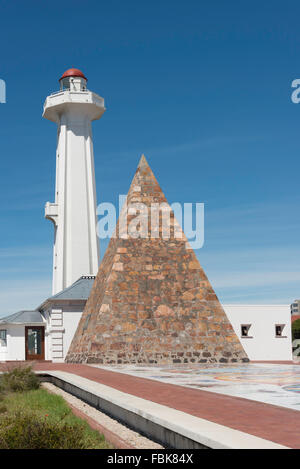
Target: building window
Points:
x,y
245,330
3,339
279,330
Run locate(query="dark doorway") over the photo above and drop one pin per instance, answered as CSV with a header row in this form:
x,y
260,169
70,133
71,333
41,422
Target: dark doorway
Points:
x,y
34,343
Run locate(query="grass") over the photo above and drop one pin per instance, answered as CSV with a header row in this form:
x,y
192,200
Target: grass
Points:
x,y
38,419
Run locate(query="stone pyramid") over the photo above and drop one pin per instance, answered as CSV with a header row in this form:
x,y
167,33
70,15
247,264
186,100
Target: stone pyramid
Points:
x,y
151,301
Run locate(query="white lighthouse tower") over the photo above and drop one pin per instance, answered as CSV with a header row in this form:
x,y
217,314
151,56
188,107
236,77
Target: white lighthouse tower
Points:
x,y
76,250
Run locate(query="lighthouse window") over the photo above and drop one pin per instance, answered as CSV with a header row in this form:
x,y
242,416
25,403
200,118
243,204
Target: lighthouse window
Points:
x,y
65,83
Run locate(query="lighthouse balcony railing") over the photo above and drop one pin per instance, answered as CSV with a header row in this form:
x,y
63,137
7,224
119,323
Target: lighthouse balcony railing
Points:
x,y
63,90
96,98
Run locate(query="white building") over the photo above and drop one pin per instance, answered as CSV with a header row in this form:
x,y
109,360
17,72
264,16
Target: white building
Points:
x,y
45,333
14,334
264,330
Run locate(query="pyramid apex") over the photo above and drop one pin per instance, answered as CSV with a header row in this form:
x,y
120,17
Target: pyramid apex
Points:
x,y
143,162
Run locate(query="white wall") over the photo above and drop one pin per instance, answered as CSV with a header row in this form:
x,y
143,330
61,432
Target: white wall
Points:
x,y
15,349
63,321
3,349
46,315
263,345
16,342
71,320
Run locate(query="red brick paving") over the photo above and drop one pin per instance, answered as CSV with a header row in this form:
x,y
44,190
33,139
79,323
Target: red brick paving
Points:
x,y
267,421
295,317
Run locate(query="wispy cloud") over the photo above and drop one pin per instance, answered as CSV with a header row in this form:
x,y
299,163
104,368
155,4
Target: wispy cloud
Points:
x,y
255,279
185,147
24,251
252,252
23,294
242,256
25,277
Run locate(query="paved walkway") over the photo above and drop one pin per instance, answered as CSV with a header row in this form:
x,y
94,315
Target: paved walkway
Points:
x,y
276,384
266,421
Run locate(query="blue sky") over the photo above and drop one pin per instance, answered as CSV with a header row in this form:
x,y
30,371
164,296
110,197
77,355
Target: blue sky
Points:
x,y
202,88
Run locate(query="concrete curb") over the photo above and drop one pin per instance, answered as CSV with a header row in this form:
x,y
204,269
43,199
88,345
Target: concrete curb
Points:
x,y
169,427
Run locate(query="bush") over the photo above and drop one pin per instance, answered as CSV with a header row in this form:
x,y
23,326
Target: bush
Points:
x,y
3,408
38,419
28,430
19,379
296,329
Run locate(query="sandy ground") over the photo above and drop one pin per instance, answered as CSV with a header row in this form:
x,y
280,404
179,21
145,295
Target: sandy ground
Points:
x,y
129,436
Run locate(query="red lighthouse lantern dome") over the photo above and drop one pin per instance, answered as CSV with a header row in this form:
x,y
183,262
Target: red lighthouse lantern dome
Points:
x,y
73,72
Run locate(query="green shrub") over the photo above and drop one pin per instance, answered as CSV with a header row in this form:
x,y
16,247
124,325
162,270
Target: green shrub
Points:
x,y
38,419
28,430
3,408
19,379
296,329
